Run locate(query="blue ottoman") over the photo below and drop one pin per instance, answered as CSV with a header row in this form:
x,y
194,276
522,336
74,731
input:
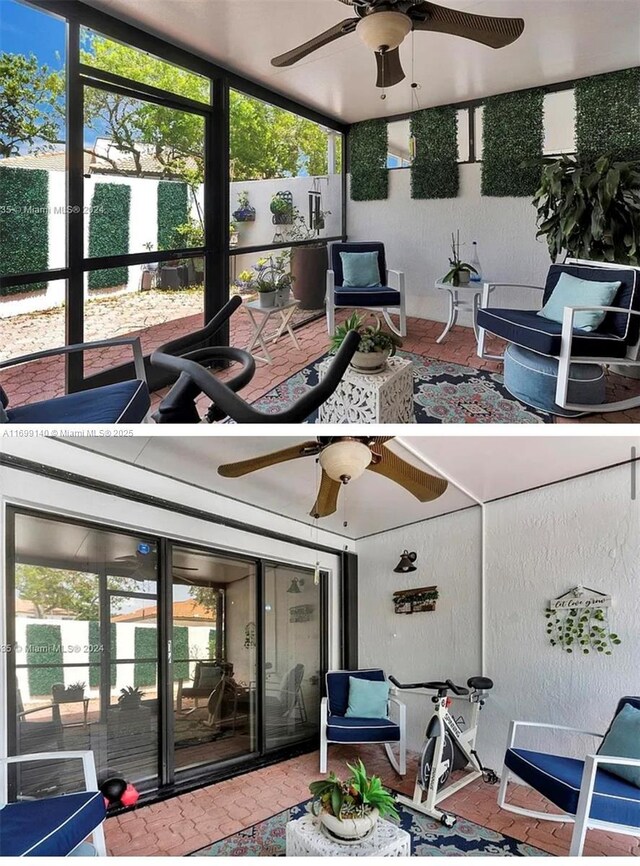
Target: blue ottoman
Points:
x,y
532,379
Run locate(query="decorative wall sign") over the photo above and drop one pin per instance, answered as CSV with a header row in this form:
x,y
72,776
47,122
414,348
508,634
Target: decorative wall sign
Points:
x,y
418,600
301,613
250,635
578,621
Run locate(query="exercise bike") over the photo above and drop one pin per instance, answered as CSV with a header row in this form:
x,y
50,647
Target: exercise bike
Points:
x,y
447,747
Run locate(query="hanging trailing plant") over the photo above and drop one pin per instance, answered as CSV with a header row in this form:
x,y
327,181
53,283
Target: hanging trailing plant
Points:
x,y
578,622
435,172
512,143
608,115
368,145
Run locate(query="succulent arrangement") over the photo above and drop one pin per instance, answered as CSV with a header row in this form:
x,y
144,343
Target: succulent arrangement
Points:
x,y
130,697
354,797
372,337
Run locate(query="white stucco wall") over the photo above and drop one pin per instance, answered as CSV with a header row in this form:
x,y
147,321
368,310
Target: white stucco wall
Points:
x,y
417,236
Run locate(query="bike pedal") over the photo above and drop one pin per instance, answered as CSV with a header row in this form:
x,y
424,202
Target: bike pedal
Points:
x,y
490,777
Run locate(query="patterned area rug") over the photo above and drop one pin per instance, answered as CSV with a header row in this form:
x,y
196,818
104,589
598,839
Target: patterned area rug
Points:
x,y
428,838
443,394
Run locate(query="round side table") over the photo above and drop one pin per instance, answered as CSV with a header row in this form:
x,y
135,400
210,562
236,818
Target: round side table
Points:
x,y
461,298
306,838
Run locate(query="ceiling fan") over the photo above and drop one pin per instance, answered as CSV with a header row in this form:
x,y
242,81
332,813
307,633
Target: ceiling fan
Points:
x,y
343,459
383,25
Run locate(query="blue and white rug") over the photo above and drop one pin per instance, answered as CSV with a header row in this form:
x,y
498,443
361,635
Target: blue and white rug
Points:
x,y
428,838
444,393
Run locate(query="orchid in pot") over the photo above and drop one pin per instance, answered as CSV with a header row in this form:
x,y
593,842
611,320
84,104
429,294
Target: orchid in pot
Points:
x,y
349,809
270,278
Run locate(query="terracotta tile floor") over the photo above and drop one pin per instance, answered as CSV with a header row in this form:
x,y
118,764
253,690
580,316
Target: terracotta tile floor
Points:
x,y
189,822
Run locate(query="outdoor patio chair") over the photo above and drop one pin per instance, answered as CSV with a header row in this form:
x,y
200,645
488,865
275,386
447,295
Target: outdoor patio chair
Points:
x,y
576,356
120,403
336,727
206,676
588,795
289,703
53,826
35,735
383,298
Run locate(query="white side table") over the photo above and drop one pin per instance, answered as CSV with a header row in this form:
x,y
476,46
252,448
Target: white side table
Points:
x,y
461,298
260,317
374,398
306,838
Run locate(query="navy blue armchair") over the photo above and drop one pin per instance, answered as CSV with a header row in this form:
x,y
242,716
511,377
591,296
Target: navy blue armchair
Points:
x,y
336,727
383,298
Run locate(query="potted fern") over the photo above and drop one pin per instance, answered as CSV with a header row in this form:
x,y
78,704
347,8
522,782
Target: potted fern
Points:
x,y
350,809
376,345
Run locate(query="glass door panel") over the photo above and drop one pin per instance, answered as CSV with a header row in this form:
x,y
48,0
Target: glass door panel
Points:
x,y
214,657
293,666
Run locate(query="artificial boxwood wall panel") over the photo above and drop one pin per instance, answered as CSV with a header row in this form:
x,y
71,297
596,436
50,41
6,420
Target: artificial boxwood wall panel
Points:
x,y
180,651
368,146
145,646
109,231
44,647
608,115
434,173
24,228
513,141
173,211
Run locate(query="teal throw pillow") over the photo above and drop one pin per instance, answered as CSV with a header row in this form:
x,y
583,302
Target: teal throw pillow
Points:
x,y
573,292
623,741
360,270
367,699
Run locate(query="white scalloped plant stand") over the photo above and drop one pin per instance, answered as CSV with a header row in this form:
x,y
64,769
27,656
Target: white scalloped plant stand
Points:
x,y
374,398
306,838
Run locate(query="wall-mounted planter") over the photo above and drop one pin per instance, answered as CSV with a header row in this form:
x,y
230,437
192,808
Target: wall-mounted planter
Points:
x,y
282,208
419,600
245,214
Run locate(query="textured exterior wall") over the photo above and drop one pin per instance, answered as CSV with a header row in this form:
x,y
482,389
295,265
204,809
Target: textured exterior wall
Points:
x,y
421,646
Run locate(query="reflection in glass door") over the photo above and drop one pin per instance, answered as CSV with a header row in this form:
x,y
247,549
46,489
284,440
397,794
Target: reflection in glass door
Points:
x,y
214,657
293,665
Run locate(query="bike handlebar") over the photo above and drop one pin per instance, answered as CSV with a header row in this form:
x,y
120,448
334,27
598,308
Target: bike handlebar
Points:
x,y
434,686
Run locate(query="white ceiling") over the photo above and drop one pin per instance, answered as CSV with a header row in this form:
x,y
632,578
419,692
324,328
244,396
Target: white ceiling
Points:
x,y
486,467
563,39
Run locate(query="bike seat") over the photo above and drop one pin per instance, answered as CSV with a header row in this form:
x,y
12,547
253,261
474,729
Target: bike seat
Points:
x,y
482,684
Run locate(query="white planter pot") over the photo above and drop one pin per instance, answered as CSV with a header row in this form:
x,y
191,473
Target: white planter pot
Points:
x,y
370,362
266,299
350,828
463,278
283,296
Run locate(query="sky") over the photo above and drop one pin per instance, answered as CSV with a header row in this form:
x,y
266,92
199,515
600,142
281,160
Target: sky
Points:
x,y
24,30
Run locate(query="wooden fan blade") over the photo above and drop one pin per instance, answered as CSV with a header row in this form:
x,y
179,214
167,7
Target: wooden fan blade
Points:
x,y
422,485
330,35
244,467
486,29
327,500
390,69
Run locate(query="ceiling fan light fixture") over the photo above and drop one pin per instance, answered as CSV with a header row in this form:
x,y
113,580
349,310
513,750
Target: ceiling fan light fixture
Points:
x,y
345,460
384,30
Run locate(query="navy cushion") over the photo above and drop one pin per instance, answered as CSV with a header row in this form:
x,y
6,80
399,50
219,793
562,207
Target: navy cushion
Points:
x,y
335,262
628,296
342,729
122,403
369,296
527,329
558,779
338,687
51,827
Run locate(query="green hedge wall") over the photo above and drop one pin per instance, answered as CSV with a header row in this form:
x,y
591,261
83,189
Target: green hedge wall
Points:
x,y
41,679
181,651
109,231
173,211
95,657
513,135
24,236
434,173
145,646
608,115
368,146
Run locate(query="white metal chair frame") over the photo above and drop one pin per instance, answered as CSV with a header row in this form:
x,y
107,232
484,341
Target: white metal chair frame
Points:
x,y
581,820
400,310
565,359
90,781
399,764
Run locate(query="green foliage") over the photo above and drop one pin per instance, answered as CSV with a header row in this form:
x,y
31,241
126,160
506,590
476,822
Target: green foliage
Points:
x,y
582,630
368,146
513,141
30,105
590,209
24,235
372,337
95,655
435,173
44,648
173,214
608,115
354,797
181,652
130,697
75,592
145,647
109,231
456,263
268,274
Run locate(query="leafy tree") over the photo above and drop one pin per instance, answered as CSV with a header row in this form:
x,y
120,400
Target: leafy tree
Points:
x,y
30,112
73,591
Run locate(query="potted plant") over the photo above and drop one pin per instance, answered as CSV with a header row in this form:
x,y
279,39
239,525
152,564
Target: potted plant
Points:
x,y
233,235
191,234
69,694
590,209
460,272
281,207
148,271
349,809
245,213
130,698
270,278
376,345
308,263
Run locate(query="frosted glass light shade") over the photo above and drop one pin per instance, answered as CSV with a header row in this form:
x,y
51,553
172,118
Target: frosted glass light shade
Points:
x,y
383,29
345,461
